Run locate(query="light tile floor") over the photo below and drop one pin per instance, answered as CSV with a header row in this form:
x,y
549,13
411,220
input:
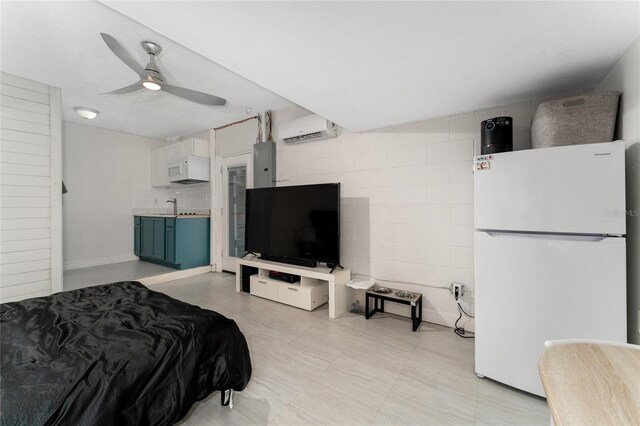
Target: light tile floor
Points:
x,y
104,274
309,369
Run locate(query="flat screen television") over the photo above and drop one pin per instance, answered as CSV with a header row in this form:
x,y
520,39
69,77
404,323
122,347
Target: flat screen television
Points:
x,y
294,223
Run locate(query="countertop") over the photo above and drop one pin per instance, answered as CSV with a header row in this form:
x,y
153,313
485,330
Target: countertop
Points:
x,y
590,383
180,216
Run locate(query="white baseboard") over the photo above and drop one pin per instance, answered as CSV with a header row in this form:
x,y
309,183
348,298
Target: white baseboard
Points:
x,y
448,319
98,261
170,276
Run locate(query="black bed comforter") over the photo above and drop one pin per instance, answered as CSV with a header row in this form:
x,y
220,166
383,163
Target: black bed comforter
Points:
x,y
116,354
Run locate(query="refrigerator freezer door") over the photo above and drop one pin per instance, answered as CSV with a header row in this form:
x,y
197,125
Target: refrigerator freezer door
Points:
x,y
529,289
571,189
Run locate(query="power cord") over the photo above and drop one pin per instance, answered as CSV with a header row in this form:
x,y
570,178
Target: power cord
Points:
x,y
460,331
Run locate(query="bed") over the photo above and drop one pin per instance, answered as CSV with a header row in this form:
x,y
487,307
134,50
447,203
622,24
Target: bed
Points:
x,y
114,354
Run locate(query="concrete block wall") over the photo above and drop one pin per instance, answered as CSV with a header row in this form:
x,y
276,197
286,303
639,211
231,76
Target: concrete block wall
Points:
x,y
407,198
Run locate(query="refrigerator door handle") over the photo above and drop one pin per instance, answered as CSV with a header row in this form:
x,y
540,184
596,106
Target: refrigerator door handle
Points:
x,y
564,237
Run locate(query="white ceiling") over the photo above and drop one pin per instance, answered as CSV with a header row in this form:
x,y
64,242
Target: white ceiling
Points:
x,y
59,43
367,65
364,65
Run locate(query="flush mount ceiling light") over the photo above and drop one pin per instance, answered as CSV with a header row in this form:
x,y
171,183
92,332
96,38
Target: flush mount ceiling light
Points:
x,y
88,113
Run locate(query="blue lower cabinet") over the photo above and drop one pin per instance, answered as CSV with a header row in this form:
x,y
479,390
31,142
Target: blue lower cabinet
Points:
x,y
180,243
192,242
170,244
151,239
136,235
158,238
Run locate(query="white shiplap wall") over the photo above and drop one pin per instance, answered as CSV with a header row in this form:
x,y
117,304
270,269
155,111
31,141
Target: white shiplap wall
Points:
x,y
30,251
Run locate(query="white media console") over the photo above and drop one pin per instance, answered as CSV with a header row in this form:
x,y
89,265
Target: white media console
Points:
x,y
310,293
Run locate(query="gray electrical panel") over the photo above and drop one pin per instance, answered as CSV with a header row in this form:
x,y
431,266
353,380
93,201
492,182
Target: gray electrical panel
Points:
x,y
264,164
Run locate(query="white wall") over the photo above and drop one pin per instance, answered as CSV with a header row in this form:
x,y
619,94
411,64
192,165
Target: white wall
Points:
x,y
236,138
30,186
625,78
101,169
407,197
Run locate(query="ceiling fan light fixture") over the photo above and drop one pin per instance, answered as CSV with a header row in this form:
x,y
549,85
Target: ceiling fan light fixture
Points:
x,y
151,85
87,113
152,82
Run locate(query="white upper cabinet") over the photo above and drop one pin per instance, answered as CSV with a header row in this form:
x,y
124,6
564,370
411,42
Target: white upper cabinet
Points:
x,y
197,147
192,146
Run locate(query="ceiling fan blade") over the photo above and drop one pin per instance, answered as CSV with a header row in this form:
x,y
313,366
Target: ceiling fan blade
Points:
x,y
122,54
194,95
132,88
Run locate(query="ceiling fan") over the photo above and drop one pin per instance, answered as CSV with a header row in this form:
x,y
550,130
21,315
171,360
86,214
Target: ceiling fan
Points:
x,y
150,76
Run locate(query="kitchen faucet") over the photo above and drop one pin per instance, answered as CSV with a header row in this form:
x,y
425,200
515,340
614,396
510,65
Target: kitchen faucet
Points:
x,y
175,205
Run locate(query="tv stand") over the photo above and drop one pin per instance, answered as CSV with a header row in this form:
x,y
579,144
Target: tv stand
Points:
x,y
290,261
336,281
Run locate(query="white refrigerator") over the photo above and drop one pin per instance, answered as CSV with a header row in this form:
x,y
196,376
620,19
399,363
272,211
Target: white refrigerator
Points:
x,y
549,255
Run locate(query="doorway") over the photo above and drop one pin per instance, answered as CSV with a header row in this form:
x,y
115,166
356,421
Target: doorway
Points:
x,y
237,177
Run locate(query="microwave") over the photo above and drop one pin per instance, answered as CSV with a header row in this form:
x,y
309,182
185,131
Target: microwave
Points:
x,y
189,169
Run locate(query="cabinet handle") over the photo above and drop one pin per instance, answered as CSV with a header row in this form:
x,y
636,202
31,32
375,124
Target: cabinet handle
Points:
x,y
262,282
294,289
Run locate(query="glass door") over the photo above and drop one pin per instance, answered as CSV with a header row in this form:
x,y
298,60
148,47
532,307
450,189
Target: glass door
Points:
x,y
237,177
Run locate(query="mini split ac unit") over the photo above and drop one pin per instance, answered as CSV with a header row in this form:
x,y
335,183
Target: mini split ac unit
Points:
x,y
311,127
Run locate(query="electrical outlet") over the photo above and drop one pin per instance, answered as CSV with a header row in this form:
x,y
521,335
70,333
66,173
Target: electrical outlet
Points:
x,y
457,289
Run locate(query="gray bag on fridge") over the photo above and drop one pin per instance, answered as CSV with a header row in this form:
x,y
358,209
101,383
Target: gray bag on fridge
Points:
x,y
575,120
